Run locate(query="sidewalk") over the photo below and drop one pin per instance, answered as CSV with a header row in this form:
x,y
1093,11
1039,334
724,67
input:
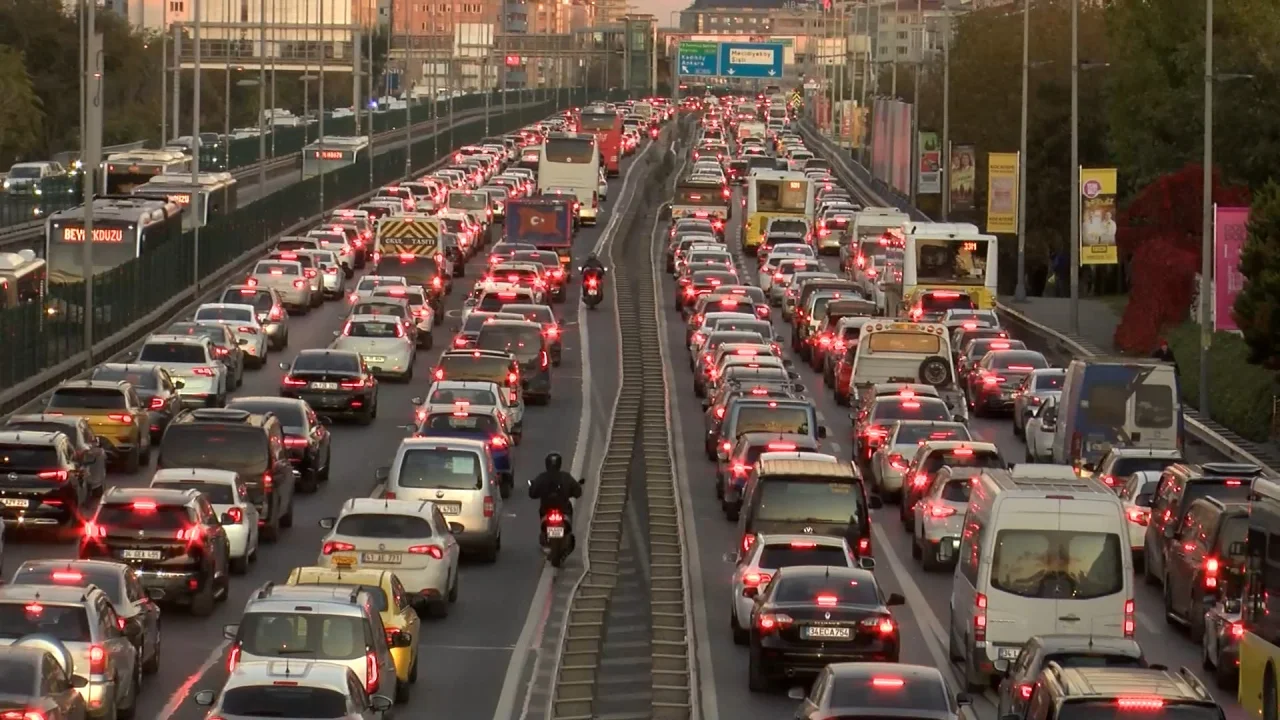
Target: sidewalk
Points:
x,y
1098,320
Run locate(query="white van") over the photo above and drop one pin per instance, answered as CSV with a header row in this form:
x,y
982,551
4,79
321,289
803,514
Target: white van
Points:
x,y
1042,553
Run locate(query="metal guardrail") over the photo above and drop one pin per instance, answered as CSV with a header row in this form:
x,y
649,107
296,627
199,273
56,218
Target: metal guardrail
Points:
x,y
1201,432
74,366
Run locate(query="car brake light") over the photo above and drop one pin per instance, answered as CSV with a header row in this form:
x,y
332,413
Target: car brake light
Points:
x,y
275,314
122,418
1130,622
747,541
769,622
512,379
202,371
295,442
1025,690
67,576
267,481
991,380
190,534
431,550
1140,703
292,382
1237,630
780,447
236,515
97,660
941,511
979,617
351,384
555,517
299,284
756,579
332,547
57,475
962,452
897,462
827,600
370,672
498,441
1211,567
1139,515
94,530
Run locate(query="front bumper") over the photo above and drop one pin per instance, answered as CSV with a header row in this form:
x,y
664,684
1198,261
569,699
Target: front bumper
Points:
x,y
782,658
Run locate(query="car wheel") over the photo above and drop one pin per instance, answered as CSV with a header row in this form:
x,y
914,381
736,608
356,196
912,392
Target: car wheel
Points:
x,y
133,461
203,602
240,565
152,665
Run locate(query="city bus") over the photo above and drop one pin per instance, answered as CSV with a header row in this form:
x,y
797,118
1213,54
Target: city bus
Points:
x,y
772,194
572,161
953,257
122,172
214,194
607,127
125,227
1258,693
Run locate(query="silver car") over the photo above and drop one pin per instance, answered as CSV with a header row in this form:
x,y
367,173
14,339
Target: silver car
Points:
x,y
310,271
333,282
1032,392
939,518
191,359
336,243
268,307
281,688
287,278
244,324
383,343
369,283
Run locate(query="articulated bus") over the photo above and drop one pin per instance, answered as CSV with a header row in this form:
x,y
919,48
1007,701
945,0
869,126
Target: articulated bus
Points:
x,y
122,172
1259,690
607,127
572,161
772,194
950,257
125,227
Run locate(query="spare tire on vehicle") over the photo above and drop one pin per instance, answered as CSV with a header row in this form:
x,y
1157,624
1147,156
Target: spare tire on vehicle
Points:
x,y
935,371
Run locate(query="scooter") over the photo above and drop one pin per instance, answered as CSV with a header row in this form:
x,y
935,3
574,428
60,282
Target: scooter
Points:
x,y
557,538
592,288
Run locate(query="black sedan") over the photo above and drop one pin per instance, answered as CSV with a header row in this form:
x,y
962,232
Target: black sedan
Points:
x,y
336,383
809,617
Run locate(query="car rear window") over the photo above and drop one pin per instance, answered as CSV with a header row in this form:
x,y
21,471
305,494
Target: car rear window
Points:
x,y
963,457
88,399
919,409
1050,381
233,314
303,635
327,362
807,588
375,525
1093,660
214,446
1019,360
472,396
216,333
956,490
124,516
173,354
779,419
459,422
441,468
296,701
62,622
523,342
261,301
493,302
890,692
1058,564
27,457
936,302
784,555
216,493
787,497
1113,709
1126,466
912,434
459,367
374,329
291,413
139,380
85,575
278,268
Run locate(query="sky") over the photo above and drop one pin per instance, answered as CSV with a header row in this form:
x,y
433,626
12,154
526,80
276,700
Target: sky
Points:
x,y
661,9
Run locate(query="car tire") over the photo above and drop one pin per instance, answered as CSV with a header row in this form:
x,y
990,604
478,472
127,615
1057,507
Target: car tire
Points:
x,y
403,691
489,554
131,711
757,680
133,461
152,666
286,520
453,591
740,635
309,482
365,418
240,566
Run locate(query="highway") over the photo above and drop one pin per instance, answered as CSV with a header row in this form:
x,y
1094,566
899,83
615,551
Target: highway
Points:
x,y
925,618
469,648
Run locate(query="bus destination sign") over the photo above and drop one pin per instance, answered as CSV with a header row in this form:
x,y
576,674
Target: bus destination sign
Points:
x,y
109,235
330,155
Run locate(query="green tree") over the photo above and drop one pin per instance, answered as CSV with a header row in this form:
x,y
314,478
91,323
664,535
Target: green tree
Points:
x,y
20,113
1257,307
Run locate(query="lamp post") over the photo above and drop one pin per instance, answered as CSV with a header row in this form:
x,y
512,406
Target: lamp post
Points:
x,y
1076,67
262,136
1020,290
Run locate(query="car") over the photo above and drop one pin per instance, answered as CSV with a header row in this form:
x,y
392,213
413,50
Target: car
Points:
x,y
100,644
408,537
524,341
230,500
1208,563
1019,675
870,689
194,360
997,376
939,518
336,383
46,484
37,681
118,582
1070,693
478,423
732,473
268,305
1137,492
115,412
226,346
808,617
1119,463
86,450
242,319
310,273
172,539
364,289
1220,645
285,277
333,280
1038,432
382,342
306,436
1035,387
154,386
930,458
392,600
421,311
888,463
769,554
443,395
298,687
551,330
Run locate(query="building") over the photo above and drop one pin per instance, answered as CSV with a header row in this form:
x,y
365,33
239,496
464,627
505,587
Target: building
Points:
x,y
160,14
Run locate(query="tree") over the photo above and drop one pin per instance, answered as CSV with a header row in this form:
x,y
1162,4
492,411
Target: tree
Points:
x,y
20,113
1257,307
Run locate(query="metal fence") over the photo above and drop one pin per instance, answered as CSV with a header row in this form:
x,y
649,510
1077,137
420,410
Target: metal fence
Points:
x,y
36,341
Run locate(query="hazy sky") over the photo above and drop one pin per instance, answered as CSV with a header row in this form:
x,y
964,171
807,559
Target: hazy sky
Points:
x,y
662,10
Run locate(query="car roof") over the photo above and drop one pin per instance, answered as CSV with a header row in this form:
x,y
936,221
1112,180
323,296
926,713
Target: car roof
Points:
x,y
29,437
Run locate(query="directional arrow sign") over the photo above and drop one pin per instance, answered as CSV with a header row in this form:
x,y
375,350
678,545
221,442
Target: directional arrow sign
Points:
x,y
699,58
751,60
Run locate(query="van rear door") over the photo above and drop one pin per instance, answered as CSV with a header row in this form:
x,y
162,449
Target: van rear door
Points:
x,y
1018,605
1090,537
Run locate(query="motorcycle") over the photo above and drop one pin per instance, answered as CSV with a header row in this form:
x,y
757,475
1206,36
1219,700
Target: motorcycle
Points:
x,y
557,538
592,288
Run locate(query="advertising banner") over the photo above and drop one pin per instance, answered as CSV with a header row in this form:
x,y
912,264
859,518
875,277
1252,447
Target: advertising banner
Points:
x,y
1230,226
930,173
1002,192
880,140
902,149
1098,217
964,173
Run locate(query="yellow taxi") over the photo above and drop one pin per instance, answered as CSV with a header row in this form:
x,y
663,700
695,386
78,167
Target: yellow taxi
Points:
x,y
393,604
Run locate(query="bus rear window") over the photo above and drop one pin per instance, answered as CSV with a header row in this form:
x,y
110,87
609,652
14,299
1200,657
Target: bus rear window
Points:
x,y
1153,406
598,121
951,262
575,151
781,195
916,343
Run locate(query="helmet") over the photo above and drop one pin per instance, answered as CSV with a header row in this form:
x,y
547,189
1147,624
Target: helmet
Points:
x,y
592,258
553,462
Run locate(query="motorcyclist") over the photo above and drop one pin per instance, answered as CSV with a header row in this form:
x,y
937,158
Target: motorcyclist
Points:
x,y
555,489
593,265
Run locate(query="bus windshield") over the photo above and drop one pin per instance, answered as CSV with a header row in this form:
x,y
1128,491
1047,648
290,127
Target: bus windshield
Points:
x,y
951,262
787,196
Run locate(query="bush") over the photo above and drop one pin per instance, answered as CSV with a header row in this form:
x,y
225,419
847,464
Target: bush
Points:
x,y
1160,296
1241,392
1257,307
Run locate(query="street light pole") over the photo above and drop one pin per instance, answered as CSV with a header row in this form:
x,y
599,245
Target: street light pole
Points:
x,y
1020,290
195,156
946,111
1206,208
262,97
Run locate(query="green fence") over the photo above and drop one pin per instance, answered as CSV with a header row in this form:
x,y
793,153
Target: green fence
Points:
x,y
36,341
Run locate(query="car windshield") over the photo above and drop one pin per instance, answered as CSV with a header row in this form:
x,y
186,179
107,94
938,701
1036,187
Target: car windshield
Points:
x,y
233,314
108,579
381,525
441,468
173,354
807,588
303,635
773,418
784,555
791,498
523,342
1061,564
88,399
139,380
66,623
292,701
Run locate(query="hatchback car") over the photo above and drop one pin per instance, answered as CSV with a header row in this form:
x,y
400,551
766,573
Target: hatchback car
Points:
x,y
383,343
525,342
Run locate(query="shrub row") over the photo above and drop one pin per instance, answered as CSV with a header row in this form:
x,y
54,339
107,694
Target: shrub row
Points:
x,y
1240,393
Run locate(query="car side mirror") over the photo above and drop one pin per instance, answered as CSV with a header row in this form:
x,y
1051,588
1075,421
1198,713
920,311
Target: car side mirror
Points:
x,y
327,523
1002,666
793,375
582,482
133,629
799,387
382,474
79,681
750,592
179,384
204,698
796,693
130,355
284,366
895,599
401,639
822,432
867,563
380,703
231,631
874,502
963,699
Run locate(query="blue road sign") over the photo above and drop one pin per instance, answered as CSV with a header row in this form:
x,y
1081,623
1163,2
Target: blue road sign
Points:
x,y
698,58
751,60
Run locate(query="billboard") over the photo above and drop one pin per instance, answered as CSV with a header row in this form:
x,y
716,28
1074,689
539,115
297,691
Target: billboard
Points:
x,y
1002,192
891,143
929,177
1230,228
963,175
1098,217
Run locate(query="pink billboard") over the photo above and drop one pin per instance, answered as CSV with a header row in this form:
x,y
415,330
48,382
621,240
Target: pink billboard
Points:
x,y
1230,226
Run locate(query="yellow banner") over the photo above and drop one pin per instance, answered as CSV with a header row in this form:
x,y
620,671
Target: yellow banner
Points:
x,y
1002,192
1098,217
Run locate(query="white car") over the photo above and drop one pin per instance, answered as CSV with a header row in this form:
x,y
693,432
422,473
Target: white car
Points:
x,y
230,500
939,517
769,554
446,394
1039,430
191,359
287,278
424,315
407,537
1138,491
244,324
333,281
382,342
769,265
369,283
336,243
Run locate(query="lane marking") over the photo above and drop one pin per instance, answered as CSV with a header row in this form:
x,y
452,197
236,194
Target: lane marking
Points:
x,y
180,695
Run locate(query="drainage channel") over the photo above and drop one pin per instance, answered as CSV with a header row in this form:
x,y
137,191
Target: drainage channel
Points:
x,y
625,652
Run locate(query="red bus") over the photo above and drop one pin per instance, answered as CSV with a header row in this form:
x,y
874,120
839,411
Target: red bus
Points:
x,y
607,127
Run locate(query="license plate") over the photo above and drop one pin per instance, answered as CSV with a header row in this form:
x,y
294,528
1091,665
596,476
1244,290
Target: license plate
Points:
x,y
555,532
1009,653
14,502
343,561
140,554
450,508
374,358
823,632
324,386
383,558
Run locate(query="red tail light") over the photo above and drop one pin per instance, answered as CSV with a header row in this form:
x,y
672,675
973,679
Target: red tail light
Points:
x,y
941,511
97,660
897,462
1025,690
772,622
555,518
353,384
236,515
371,672
295,442
191,534
299,284
1130,622
308,273
293,382
980,617
267,481
488,507
56,475
592,282
1237,630
439,373
1140,703
275,314
125,419
747,541
331,547
22,715
498,441
1211,568
93,530
252,282
512,379
756,579
432,550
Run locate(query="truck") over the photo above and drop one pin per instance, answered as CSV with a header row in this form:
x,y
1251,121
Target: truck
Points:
x,y
409,246
546,222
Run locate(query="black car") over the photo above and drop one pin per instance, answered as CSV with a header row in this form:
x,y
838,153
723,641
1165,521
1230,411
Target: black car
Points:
x,y
305,436
809,617
524,341
238,441
87,450
884,690
172,538
40,481
336,383
1206,561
